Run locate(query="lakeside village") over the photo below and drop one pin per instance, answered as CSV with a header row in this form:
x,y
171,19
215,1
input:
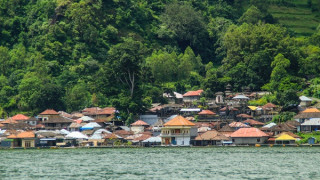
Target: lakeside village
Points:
x,y
228,121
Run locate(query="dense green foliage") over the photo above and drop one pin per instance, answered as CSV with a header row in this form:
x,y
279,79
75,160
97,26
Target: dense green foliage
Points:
x,y
71,54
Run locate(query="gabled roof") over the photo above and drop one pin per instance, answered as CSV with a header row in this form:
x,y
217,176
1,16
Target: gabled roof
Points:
x,y
179,121
269,106
211,135
206,112
9,121
58,119
285,137
25,134
238,125
244,116
139,123
20,117
49,112
290,134
107,111
253,122
193,93
249,132
226,128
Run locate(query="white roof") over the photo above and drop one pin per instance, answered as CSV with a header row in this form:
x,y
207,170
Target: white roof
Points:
x,y
77,135
153,139
86,118
240,97
65,132
178,95
91,125
304,98
312,122
99,131
96,136
190,110
269,125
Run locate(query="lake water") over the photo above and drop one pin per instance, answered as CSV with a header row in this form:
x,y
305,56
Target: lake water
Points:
x,y
162,163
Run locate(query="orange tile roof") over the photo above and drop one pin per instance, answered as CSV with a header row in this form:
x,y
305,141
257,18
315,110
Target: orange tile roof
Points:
x,y
249,132
193,93
211,135
179,121
20,117
110,136
49,112
206,112
25,134
311,110
139,123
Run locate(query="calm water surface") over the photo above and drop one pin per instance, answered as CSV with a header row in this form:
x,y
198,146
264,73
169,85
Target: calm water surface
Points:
x,y
162,163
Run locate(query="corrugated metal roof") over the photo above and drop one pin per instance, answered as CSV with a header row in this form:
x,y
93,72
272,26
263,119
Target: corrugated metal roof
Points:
x,y
312,122
240,97
304,98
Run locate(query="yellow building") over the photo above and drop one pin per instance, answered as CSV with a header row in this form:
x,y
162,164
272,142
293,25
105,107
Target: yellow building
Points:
x,y
178,131
24,139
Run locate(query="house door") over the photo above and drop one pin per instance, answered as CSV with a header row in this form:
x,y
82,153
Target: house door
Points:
x,y
167,141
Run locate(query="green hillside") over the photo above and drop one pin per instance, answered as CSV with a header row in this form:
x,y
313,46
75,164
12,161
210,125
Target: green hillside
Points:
x,y
299,17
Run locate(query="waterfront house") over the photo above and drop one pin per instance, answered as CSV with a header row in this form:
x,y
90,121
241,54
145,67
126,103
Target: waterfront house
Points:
x,y
211,137
152,141
138,126
285,139
249,136
23,139
307,114
192,96
178,131
310,125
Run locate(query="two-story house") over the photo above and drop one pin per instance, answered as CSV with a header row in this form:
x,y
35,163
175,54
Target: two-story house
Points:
x,y
178,131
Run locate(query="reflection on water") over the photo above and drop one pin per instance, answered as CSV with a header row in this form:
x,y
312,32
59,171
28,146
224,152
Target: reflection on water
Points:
x,y
162,163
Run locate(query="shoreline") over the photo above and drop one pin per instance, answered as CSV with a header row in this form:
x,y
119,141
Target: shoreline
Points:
x,y
140,147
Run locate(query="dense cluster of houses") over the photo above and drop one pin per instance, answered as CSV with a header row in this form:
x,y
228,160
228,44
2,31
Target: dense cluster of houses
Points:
x,y
225,120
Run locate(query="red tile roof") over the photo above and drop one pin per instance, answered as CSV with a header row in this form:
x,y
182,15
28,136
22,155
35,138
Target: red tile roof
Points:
x,y
244,116
139,123
193,93
238,125
49,112
9,121
179,121
269,106
249,132
206,112
20,117
107,111
253,122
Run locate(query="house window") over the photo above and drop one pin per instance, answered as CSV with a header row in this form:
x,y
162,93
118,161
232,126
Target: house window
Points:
x,y
258,140
232,140
27,144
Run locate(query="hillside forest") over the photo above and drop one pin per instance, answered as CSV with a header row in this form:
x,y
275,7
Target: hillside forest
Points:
x,y
72,54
